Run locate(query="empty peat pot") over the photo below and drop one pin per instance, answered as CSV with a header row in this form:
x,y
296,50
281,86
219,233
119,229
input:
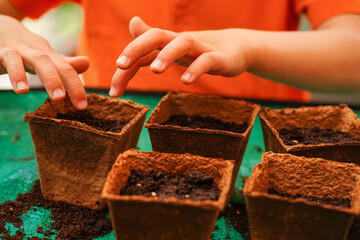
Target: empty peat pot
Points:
x,y
199,141
292,197
338,118
73,158
140,217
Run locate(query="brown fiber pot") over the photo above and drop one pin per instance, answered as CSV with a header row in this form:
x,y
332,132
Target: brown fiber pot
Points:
x,y
138,217
73,158
275,217
337,118
203,142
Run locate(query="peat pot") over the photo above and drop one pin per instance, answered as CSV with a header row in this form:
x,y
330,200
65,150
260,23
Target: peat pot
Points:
x,y
73,158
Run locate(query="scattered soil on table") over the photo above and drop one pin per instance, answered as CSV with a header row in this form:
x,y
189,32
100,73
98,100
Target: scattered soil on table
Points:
x,y
194,186
205,123
86,117
313,135
236,215
354,231
258,149
338,202
35,238
212,234
71,222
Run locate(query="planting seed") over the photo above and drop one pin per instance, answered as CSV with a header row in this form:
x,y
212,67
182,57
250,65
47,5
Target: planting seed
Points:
x,y
138,185
153,194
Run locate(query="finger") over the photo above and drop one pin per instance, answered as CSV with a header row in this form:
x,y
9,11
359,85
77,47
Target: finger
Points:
x,y
209,62
137,27
122,77
181,47
71,81
146,43
46,71
79,63
13,63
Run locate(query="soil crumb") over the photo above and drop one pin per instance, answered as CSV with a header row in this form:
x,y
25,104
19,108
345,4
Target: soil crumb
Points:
x,y
354,231
236,215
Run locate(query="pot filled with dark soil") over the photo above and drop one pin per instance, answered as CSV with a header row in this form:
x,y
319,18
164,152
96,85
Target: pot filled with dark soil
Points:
x,y
154,195
209,126
329,132
76,149
292,197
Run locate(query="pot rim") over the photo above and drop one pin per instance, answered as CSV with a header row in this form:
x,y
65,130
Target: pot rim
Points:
x,y
153,125
33,117
207,204
300,147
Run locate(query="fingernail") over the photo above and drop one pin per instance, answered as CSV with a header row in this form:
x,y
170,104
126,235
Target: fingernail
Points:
x,y
187,77
112,91
157,65
58,93
122,60
82,104
21,86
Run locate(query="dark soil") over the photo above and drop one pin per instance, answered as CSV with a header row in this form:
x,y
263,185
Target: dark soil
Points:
x,y
86,117
71,222
313,135
338,202
236,215
354,232
194,186
205,123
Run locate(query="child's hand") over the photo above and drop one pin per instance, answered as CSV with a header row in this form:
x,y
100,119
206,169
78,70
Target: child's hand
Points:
x,y
213,52
21,48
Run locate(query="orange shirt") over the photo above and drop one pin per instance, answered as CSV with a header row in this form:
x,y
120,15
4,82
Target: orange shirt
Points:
x,y
105,34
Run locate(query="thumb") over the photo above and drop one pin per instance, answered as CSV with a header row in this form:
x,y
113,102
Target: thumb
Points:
x,y
79,63
137,27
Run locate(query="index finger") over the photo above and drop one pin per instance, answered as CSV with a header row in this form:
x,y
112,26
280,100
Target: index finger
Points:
x,y
149,41
71,81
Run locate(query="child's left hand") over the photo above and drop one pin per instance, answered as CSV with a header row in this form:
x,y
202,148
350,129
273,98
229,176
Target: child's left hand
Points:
x,y
214,52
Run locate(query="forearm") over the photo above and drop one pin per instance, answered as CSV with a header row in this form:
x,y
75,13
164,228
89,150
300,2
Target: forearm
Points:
x,y
7,8
324,60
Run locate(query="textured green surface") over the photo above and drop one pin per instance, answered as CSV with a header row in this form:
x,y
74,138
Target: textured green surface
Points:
x,y
18,164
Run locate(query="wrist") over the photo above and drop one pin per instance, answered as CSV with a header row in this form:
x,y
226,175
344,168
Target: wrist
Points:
x,y
253,45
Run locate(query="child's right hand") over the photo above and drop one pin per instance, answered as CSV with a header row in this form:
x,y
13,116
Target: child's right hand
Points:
x,y
21,49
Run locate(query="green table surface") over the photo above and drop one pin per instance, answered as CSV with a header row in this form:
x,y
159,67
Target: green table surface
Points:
x,y
18,170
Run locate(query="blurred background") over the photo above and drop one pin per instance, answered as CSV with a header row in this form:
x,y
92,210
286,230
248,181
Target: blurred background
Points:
x,y
61,27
